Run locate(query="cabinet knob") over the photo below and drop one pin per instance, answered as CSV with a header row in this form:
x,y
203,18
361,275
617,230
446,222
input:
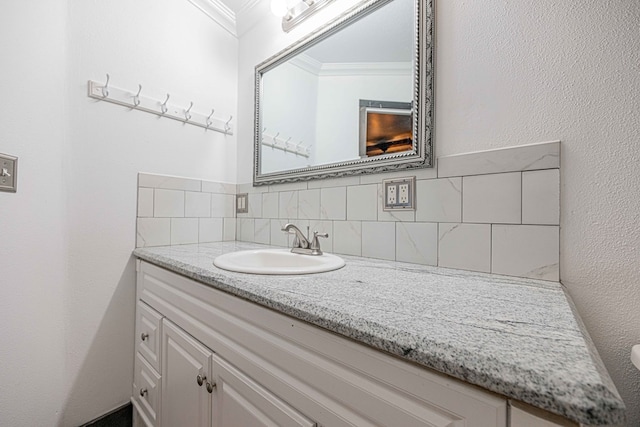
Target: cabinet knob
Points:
x,y
144,336
200,379
143,391
211,386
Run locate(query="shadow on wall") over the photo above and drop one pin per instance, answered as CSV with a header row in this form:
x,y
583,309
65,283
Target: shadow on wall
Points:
x,y
109,355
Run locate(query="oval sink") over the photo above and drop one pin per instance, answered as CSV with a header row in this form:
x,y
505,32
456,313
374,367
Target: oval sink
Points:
x,y
277,261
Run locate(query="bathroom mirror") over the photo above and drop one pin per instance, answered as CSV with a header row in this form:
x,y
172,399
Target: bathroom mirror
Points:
x,y
354,97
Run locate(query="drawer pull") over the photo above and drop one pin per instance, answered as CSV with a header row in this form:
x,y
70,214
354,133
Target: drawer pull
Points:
x,y
200,379
211,386
143,391
144,336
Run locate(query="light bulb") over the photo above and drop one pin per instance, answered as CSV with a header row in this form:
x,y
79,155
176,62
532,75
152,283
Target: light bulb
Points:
x,y
279,8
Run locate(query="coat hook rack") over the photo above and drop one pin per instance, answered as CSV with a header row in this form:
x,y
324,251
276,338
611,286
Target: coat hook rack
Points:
x,y
135,101
280,143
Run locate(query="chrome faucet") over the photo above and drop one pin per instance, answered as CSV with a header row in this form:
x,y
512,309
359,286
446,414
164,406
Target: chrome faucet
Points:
x,y
301,244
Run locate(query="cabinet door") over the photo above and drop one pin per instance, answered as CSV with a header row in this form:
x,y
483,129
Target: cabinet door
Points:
x,y
239,401
184,402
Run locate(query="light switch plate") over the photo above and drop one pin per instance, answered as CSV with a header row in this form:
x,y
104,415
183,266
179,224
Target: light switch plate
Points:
x,y
242,203
8,173
399,194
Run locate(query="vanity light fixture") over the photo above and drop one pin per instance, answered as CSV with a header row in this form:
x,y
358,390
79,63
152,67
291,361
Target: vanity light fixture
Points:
x,y
294,12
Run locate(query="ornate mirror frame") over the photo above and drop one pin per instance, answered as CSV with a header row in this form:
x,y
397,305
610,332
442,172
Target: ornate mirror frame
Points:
x,y
423,113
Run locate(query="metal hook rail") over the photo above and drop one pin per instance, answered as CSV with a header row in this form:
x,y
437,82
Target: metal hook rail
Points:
x,y
279,143
134,101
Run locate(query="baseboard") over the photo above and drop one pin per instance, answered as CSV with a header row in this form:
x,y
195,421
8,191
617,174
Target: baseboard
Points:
x,y
119,417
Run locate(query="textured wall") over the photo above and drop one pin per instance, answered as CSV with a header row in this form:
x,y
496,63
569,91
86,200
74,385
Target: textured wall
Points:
x,y
512,73
67,294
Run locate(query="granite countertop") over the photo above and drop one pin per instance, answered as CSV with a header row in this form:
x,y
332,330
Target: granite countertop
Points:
x,y
521,338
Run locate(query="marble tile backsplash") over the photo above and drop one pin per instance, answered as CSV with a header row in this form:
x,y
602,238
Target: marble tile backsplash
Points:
x,y
174,211
494,211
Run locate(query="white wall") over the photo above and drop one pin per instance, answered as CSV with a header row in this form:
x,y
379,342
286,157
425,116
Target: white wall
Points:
x,y
68,276
522,72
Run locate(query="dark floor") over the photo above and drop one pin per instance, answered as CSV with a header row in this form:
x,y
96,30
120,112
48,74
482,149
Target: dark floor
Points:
x,y
121,417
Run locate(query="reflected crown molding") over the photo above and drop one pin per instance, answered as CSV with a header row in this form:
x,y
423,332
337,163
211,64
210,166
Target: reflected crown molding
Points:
x,y
317,68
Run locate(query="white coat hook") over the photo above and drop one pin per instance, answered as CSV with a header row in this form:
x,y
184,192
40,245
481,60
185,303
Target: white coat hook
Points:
x,y
136,97
275,140
163,106
105,88
286,143
187,115
226,125
209,122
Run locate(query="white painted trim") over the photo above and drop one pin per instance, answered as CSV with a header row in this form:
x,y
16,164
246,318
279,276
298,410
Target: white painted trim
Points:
x,y
307,63
219,12
367,69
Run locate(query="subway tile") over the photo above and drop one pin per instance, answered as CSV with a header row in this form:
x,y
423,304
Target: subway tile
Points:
x,y
262,231
229,230
419,173
347,237
168,203
289,186
393,215
362,202
218,187
309,204
197,204
277,236
492,198
184,230
333,203
541,197
245,230
417,242
145,202
255,205
531,251
465,246
153,232
223,206
439,200
333,182
379,240
211,230
544,155
168,182
288,204
250,188
270,205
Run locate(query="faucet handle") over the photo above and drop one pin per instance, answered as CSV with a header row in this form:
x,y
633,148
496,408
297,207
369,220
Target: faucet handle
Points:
x,y
315,243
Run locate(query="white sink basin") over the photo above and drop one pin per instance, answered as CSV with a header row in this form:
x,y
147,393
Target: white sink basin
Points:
x,y
277,261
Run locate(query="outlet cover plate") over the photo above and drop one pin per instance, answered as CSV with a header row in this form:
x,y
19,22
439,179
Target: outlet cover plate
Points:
x,y
399,194
242,203
8,173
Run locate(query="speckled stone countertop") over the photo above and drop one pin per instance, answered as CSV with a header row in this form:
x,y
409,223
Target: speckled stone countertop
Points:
x,y
517,337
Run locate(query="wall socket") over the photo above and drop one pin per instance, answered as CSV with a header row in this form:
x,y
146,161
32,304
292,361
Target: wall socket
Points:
x,y
399,193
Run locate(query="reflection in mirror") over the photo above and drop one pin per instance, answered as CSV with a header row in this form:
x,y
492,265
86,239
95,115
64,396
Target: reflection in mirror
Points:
x,y
349,98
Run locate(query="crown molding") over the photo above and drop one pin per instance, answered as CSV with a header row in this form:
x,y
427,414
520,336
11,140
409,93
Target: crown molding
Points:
x,y
219,12
317,68
307,63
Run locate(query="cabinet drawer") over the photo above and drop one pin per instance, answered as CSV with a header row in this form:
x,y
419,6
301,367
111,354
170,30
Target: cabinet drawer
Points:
x,y
146,391
148,333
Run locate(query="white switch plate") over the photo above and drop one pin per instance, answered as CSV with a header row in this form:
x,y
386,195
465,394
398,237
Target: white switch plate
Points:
x,y
399,194
8,173
242,203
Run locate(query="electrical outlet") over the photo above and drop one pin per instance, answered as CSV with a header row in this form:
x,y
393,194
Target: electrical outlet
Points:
x,y
391,194
399,194
403,193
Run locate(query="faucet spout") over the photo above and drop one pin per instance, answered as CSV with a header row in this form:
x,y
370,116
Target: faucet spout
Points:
x,y
300,240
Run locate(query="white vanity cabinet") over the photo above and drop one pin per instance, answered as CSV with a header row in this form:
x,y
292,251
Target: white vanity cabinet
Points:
x,y
261,368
